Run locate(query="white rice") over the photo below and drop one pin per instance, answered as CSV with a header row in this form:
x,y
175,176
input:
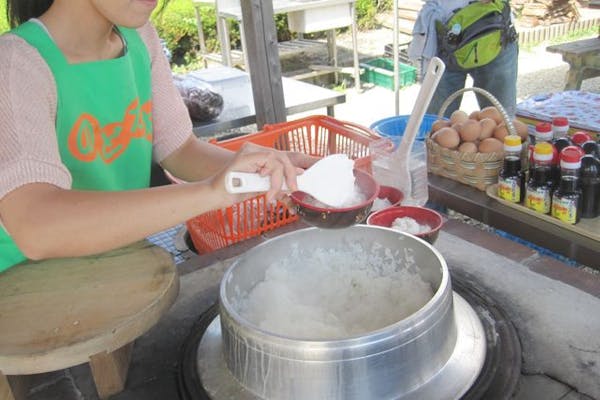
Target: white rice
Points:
x,y
332,294
409,225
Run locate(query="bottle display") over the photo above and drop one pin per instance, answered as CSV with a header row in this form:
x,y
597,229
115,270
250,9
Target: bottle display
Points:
x,y
538,192
567,199
511,179
590,186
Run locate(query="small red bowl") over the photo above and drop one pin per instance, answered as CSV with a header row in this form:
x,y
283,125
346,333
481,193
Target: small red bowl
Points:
x,y
393,195
423,216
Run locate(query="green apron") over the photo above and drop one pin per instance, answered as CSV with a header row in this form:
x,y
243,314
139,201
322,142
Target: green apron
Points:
x,y
103,119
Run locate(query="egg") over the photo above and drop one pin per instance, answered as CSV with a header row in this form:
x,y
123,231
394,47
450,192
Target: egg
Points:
x,y
491,145
439,124
458,116
491,112
522,129
447,137
500,132
470,130
487,128
467,147
474,115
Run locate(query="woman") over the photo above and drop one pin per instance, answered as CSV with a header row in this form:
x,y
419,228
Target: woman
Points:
x,y
86,102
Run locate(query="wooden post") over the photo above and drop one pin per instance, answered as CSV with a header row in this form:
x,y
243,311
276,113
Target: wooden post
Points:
x,y
263,61
110,370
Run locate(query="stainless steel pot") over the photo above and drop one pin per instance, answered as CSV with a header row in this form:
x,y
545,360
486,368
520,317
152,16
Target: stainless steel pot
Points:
x,y
403,360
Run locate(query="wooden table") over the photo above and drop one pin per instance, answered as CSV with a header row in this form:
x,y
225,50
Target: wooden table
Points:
x,y
303,17
476,204
239,106
583,57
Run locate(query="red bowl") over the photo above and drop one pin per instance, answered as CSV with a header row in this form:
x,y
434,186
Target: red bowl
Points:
x,y
335,218
391,194
423,216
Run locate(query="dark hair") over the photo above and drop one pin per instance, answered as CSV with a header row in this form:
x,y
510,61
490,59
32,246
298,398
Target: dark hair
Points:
x,y
19,11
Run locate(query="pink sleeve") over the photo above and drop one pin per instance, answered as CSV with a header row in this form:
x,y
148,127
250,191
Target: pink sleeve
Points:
x,y
28,146
171,121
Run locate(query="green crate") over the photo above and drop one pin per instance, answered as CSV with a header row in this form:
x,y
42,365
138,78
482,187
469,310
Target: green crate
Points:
x,y
380,71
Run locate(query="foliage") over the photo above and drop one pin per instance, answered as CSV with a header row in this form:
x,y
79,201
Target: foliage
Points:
x,y
176,24
3,20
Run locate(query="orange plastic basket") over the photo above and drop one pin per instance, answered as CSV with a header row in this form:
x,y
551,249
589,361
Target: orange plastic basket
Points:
x,y
314,135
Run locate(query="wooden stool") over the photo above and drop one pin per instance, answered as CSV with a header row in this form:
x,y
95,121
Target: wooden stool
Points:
x,y
60,313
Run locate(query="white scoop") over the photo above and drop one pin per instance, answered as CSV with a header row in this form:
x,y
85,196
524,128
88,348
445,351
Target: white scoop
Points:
x,y
330,180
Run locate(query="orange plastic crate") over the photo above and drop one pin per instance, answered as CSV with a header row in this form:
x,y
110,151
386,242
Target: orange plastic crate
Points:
x,y
316,136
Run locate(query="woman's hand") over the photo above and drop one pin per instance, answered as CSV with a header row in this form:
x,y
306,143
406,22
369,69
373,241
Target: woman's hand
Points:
x,y
276,164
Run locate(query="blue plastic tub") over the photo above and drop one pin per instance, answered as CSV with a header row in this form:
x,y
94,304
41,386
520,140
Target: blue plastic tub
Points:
x,y
394,127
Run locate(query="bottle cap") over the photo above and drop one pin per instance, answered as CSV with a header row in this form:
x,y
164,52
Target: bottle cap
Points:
x,y
543,131
580,137
543,152
512,143
570,157
560,121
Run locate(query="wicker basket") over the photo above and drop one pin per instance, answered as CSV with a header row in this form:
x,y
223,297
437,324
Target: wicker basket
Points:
x,y
475,169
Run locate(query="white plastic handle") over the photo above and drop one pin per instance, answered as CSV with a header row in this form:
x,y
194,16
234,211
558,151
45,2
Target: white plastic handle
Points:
x,y
247,182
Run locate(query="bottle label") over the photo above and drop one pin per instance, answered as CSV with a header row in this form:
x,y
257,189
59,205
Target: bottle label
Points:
x,y
564,209
509,190
538,199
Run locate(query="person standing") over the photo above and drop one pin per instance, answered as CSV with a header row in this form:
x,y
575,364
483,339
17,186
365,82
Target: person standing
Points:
x,y
498,76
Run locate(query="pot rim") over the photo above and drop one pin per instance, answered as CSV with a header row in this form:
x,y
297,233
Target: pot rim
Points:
x,y
406,325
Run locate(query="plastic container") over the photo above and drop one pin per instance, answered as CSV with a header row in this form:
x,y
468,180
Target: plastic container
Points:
x,y
316,136
393,127
380,71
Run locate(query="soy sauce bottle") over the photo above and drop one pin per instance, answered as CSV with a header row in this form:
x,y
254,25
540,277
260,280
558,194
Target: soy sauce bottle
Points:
x,y
590,186
567,199
511,180
538,193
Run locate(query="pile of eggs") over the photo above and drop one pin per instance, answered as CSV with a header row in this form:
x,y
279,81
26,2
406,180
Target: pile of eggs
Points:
x,y
482,131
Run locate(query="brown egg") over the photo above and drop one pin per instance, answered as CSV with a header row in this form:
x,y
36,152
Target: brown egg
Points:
x,y
474,115
468,147
456,126
522,129
447,137
487,128
470,130
491,145
439,124
491,112
458,116
500,132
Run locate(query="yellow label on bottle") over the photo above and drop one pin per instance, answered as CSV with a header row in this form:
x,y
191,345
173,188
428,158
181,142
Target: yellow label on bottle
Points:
x,y
538,199
564,210
509,190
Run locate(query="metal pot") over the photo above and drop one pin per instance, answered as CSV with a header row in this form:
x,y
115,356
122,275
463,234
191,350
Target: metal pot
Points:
x,y
425,354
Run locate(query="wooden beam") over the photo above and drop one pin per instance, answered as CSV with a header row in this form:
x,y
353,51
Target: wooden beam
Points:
x,y
263,61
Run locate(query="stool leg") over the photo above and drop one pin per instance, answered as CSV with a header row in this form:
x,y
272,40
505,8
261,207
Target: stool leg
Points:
x,y
12,387
5,390
110,370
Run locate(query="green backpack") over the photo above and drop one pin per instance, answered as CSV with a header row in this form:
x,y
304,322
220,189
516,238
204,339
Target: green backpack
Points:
x,y
474,35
